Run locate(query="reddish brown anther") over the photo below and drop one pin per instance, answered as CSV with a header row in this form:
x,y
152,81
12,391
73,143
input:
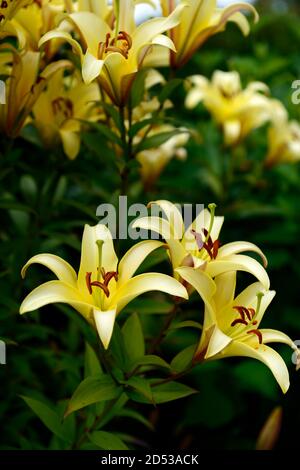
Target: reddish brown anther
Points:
x,y
239,320
103,285
257,333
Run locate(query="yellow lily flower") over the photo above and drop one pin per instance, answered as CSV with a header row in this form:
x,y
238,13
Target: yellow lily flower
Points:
x,y
200,21
23,86
283,137
199,245
103,286
31,22
153,161
231,324
59,109
115,55
8,8
237,110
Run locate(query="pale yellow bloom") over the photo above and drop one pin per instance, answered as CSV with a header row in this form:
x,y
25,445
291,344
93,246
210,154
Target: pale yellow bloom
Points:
x,y
115,55
237,110
59,108
104,285
8,8
23,87
201,20
283,137
31,22
199,246
153,161
231,323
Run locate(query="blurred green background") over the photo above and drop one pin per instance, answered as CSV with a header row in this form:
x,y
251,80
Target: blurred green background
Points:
x,y
45,200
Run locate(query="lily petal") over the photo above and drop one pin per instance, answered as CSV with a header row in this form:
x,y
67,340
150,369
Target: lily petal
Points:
x,y
238,247
218,341
275,336
144,283
91,67
264,354
163,227
173,215
225,289
239,263
71,143
205,287
134,258
105,324
57,265
52,292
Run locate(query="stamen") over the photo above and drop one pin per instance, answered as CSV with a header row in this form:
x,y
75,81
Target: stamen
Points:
x,y
198,239
102,286
126,37
257,333
241,311
88,282
101,50
239,320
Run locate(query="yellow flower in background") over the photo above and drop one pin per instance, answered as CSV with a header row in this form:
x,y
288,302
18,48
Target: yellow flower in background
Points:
x,y
153,161
198,246
8,8
237,110
34,20
231,323
201,20
103,286
115,55
283,137
59,109
23,86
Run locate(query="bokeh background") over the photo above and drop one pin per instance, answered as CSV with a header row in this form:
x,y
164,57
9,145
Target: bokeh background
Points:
x,y
45,200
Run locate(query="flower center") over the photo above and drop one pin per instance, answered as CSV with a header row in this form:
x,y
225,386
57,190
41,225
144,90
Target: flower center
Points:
x,y
121,44
106,278
103,278
207,244
62,108
246,317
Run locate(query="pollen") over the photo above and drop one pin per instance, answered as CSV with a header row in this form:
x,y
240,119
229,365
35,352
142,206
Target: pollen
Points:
x,y
120,44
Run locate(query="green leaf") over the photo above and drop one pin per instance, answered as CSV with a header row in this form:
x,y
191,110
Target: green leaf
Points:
x,y
157,140
168,89
126,413
150,360
48,416
59,190
186,324
107,441
94,389
142,386
112,112
15,206
138,126
29,188
106,132
133,338
171,391
183,359
138,88
92,365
